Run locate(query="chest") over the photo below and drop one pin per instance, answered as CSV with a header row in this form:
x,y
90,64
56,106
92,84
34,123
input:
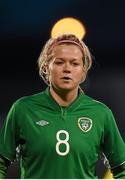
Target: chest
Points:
x,y
60,133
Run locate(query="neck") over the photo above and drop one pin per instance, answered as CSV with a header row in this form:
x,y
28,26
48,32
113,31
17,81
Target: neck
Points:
x,y
63,98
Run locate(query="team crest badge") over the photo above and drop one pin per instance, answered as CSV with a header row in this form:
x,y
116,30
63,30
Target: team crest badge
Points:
x,y
85,124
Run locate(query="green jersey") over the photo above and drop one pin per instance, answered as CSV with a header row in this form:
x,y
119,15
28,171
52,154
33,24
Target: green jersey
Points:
x,y
60,142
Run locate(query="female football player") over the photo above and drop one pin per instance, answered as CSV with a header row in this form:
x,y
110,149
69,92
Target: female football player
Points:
x,y
61,131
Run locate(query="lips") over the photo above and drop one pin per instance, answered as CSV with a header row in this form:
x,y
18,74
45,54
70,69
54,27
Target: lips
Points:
x,y
66,78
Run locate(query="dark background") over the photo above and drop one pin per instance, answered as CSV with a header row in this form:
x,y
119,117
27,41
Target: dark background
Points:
x,y
25,26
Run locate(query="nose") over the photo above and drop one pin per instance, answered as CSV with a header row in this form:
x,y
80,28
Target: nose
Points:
x,y
67,68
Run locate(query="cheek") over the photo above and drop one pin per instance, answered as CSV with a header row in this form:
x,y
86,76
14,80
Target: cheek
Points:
x,y
53,72
81,76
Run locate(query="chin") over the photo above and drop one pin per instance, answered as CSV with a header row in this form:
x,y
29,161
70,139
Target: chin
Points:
x,y
66,88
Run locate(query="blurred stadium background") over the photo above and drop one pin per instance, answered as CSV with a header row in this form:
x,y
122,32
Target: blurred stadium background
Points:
x,y
26,25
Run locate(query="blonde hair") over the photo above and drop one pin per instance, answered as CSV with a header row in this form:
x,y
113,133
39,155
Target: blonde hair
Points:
x,y
46,53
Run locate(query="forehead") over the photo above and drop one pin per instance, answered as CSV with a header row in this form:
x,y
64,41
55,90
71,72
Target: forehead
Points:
x,y
69,49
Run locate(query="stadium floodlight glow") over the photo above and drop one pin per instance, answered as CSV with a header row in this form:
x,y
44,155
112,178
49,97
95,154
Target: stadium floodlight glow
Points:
x,y
68,25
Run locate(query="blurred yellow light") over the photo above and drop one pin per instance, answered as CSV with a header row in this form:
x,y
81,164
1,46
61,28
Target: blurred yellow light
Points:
x,y
68,25
108,174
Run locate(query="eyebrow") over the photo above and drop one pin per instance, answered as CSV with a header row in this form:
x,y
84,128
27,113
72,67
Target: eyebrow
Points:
x,y
58,58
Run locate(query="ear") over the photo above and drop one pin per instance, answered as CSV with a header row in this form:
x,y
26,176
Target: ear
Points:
x,y
84,74
85,69
45,69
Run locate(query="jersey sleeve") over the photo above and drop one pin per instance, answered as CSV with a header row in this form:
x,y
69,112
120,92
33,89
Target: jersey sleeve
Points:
x,y
4,163
8,135
113,145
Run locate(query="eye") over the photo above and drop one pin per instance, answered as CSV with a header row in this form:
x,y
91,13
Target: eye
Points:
x,y
58,61
75,64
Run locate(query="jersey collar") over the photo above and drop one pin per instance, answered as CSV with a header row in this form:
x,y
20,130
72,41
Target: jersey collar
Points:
x,y
72,107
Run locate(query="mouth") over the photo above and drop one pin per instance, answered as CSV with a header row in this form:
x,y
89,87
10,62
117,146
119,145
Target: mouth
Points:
x,y
66,78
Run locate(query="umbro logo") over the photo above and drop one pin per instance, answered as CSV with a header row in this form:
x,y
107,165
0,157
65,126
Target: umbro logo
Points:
x,y
42,123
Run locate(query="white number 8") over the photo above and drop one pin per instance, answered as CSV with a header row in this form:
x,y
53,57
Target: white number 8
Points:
x,y
65,141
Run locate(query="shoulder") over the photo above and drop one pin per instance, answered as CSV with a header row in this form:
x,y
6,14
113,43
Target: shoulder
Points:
x,y
97,105
29,100
100,110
